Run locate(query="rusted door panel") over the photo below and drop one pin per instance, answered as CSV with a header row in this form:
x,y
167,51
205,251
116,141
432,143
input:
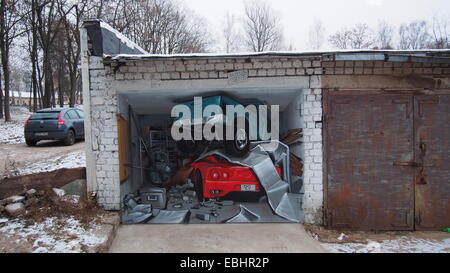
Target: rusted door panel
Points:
x,y
366,135
432,152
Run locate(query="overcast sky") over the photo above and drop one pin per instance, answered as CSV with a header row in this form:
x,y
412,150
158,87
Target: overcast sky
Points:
x,y
297,15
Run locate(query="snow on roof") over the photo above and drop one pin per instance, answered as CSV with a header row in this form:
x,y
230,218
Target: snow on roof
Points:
x,y
122,37
433,53
22,94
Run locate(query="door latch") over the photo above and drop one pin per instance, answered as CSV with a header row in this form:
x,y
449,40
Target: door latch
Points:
x,y
407,164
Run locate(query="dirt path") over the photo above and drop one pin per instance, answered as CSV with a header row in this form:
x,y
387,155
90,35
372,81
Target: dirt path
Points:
x,y
16,156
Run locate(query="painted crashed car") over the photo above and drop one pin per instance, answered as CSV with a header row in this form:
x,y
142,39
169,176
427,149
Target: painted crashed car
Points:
x,y
239,145
215,178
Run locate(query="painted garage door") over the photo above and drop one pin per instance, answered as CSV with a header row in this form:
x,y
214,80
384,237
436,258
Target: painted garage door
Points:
x,y
387,158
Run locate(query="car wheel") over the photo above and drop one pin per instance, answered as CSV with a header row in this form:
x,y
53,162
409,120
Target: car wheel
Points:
x,y
70,138
240,145
198,186
31,142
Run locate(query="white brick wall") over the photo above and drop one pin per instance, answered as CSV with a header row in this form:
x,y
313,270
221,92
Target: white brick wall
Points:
x,y
311,110
103,108
104,137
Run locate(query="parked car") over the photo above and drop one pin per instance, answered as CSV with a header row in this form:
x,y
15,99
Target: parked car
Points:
x,y
240,144
215,178
65,124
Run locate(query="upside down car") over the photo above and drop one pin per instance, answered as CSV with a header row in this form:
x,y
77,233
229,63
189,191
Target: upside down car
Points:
x,y
239,145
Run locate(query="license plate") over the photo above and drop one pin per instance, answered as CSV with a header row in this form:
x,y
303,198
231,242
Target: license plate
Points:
x,y
247,187
42,134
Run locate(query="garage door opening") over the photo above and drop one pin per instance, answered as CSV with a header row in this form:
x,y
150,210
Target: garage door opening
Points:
x,y
168,181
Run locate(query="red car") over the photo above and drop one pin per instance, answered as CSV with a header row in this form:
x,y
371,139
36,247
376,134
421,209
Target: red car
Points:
x,y
215,178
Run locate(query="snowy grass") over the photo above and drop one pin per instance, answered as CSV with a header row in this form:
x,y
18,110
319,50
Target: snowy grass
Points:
x,y
55,235
69,161
11,133
401,245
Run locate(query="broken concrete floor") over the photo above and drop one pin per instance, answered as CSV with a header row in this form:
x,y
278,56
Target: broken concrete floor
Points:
x,y
222,238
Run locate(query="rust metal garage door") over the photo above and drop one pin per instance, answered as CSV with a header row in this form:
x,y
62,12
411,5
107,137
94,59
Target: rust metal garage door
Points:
x,y
387,161
432,154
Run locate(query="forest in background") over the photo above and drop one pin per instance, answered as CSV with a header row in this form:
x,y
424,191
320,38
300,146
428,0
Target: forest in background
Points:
x,y
40,39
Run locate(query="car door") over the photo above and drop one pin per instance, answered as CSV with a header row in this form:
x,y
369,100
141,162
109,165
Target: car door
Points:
x,y
76,122
81,115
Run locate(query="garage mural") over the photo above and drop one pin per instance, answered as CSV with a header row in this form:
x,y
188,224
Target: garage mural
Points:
x,y
352,139
212,159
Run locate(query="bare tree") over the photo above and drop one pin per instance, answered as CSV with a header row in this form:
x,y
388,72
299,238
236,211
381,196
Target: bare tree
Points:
x,y
49,24
262,27
230,34
71,50
414,35
440,33
316,35
341,39
361,36
357,37
159,26
384,35
10,18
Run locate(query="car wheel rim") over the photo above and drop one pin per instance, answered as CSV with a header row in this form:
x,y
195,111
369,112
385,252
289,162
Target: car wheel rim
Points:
x,y
241,139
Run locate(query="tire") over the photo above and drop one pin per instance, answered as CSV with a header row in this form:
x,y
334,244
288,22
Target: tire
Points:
x,y
240,145
70,138
30,142
198,186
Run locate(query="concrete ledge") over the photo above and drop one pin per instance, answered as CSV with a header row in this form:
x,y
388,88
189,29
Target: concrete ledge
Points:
x,y
53,179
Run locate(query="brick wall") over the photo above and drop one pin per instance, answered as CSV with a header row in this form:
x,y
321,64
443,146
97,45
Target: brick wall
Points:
x,y
104,138
232,71
311,110
214,68
384,68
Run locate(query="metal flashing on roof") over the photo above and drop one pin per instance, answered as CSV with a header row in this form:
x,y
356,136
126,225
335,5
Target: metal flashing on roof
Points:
x,y
360,57
433,56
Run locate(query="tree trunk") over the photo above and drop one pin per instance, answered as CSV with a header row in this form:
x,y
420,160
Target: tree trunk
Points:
x,y
34,60
4,48
40,89
5,67
1,99
60,88
52,86
46,101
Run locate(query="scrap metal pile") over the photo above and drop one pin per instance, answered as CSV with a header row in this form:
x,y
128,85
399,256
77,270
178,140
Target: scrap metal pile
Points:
x,y
182,204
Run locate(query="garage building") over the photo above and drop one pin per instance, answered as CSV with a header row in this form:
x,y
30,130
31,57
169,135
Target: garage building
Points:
x,y
375,146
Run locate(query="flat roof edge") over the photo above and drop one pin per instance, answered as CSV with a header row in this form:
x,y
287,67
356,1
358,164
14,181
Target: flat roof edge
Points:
x,y
440,55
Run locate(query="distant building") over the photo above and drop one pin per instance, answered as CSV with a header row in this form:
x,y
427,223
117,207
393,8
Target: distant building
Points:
x,y
20,98
24,98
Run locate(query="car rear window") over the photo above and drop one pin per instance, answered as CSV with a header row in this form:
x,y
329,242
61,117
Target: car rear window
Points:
x,y
45,115
72,114
80,113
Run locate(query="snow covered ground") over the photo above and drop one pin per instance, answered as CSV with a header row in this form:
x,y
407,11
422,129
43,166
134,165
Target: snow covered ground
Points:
x,y
11,133
400,245
69,161
54,235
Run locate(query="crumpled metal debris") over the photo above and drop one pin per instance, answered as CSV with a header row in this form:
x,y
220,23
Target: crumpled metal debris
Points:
x,y
282,202
137,215
244,216
170,217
